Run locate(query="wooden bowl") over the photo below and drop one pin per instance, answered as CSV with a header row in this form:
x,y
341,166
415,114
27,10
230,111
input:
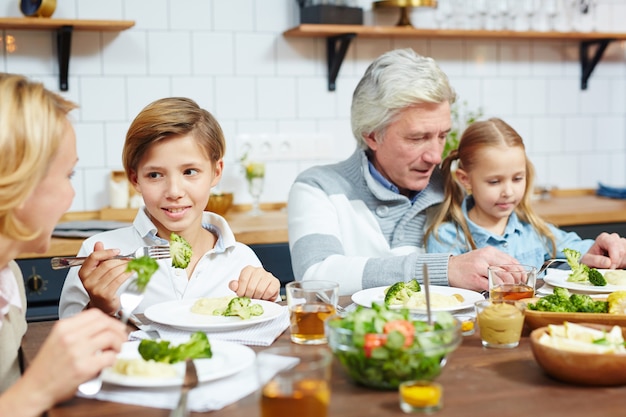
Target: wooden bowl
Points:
x,y
220,203
591,369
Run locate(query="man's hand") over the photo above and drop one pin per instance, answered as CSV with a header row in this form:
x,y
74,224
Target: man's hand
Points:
x,y
608,252
469,270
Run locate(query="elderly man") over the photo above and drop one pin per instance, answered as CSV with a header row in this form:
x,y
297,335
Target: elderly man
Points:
x,y
361,221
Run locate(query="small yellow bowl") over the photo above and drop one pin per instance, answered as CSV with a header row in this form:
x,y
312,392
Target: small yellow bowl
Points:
x,y
220,203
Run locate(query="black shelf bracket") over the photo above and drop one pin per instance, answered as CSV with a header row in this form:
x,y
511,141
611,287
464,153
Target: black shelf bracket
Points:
x,y
588,64
64,45
336,48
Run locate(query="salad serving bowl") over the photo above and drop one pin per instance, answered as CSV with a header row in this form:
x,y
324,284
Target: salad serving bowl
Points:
x,y
380,348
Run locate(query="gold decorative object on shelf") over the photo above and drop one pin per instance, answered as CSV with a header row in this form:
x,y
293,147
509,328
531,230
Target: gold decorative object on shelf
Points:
x,y
404,6
38,8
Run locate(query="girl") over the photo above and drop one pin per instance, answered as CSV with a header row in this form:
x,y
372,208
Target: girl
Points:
x,y
489,202
173,157
38,148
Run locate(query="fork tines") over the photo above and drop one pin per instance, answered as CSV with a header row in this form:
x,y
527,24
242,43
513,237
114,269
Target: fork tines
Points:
x,y
159,252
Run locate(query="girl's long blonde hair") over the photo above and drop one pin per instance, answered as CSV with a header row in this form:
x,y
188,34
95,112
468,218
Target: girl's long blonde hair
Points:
x,y
479,135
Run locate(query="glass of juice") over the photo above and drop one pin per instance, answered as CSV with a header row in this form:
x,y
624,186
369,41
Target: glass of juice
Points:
x,y
310,303
295,381
511,282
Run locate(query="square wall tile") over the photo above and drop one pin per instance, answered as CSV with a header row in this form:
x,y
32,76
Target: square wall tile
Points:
x,y
579,133
241,88
90,144
199,89
498,97
314,99
148,14
514,58
86,58
610,133
169,53
255,54
482,59
531,97
213,53
267,19
143,91
276,97
125,53
115,134
97,9
298,57
191,15
103,98
234,16
563,96
546,136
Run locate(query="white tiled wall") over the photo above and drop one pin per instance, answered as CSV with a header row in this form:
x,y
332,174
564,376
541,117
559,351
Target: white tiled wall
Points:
x,y
269,92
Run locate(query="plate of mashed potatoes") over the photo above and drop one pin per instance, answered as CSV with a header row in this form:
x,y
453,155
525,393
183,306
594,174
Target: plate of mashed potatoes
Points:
x,y
132,370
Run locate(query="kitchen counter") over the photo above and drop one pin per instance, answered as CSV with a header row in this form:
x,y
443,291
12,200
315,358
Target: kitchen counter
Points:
x,y
562,208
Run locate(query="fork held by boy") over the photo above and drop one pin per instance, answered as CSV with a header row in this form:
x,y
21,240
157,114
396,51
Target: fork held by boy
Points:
x,y
156,252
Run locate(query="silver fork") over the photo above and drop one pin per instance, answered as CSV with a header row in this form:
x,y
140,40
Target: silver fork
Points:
x,y
190,381
130,298
549,262
156,252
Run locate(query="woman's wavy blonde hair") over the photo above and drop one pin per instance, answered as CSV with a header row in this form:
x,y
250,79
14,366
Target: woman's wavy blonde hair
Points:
x,y
32,123
478,136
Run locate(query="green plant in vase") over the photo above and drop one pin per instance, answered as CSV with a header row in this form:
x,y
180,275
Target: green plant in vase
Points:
x,y
255,177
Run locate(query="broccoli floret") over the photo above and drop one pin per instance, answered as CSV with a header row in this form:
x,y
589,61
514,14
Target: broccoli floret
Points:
x,y
197,347
554,303
242,307
583,303
413,285
144,267
596,278
396,294
562,301
579,271
561,292
400,292
180,250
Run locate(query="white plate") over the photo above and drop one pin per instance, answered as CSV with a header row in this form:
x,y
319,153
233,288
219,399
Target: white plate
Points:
x,y
228,359
558,278
377,294
178,314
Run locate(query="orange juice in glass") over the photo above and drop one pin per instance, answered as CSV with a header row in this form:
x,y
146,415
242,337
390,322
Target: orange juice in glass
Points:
x,y
299,382
511,282
310,303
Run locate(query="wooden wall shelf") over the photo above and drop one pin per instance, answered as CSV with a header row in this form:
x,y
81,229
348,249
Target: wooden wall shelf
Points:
x,y
338,39
64,29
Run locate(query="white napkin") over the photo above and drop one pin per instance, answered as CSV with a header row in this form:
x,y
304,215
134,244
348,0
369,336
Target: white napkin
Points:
x,y
208,396
262,334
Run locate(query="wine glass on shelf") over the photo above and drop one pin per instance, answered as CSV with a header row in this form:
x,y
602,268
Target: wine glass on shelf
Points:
x,y
255,176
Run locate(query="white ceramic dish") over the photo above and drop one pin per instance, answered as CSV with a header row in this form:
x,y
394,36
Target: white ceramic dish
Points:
x,y
228,359
178,314
558,278
377,295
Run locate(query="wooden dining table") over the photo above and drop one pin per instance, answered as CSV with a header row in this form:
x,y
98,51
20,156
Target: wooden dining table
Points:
x,y
477,382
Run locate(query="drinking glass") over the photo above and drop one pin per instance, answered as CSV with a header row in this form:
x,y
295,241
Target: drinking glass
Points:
x,y
511,282
500,322
295,381
310,303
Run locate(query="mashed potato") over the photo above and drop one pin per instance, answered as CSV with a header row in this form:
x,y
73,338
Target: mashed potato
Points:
x,y
418,300
616,277
209,305
143,368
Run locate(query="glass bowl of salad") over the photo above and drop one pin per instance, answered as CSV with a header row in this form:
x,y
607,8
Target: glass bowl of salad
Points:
x,y
380,348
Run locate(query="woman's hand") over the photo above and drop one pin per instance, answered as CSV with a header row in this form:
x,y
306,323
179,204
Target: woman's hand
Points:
x,y
76,350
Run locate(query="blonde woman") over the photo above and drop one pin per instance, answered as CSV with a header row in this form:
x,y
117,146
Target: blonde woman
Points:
x,y
38,148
